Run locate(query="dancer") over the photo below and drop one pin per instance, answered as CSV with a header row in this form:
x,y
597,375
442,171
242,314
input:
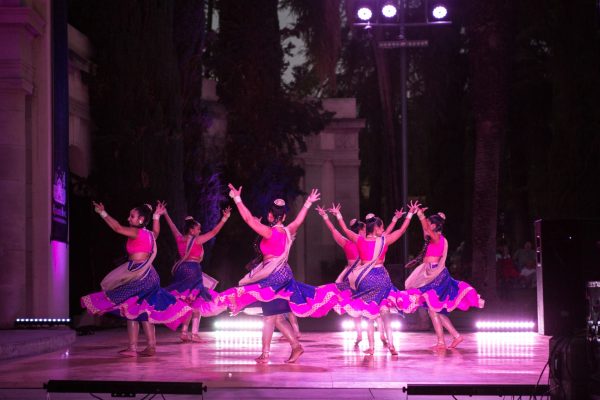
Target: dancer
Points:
x,y
271,280
189,282
440,292
133,290
372,292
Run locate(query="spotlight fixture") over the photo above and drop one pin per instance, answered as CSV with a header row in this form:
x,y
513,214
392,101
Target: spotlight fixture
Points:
x,y
364,13
439,11
389,10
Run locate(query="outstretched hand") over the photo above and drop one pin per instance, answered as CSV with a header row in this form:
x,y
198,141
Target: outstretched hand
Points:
x,y
413,206
322,212
233,191
335,209
161,207
314,195
399,213
227,212
98,207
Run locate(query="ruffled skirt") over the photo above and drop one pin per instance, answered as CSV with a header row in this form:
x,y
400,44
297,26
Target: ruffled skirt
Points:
x,y
303,300
445,294
188,285
140,300
375,294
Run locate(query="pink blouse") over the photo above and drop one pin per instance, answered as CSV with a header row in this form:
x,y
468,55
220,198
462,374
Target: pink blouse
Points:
x,y
143,243
435,249
366,249
275,245
351,250
197,249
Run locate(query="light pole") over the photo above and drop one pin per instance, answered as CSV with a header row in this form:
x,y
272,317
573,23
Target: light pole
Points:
x,y
380,14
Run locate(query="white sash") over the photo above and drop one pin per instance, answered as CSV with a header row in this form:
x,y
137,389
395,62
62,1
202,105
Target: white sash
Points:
x,y
267,267
424,273
360,271
129,271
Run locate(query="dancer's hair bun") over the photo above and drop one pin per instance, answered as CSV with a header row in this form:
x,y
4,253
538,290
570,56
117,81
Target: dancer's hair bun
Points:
x,y
149,206
369,216
442,215
279,202
353,221
189,218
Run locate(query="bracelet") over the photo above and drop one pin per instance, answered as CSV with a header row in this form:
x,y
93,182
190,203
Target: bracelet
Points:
x,y
237,199
103,214
395,219
409,215
325,216
307,204
339,216
156,217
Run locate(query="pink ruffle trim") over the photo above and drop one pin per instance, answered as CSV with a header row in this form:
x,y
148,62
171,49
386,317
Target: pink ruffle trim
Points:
x,y
98,303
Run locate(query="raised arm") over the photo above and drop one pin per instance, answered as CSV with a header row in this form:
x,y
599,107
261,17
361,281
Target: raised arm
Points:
x,y
395,235
172,225
339,239
314,196
335,210
247,216
427,231
128,231
160,210
395,218
212,233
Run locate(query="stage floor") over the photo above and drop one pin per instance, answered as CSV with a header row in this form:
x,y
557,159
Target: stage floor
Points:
x,y
226,361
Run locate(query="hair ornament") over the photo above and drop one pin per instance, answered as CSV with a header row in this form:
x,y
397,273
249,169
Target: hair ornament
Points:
x,y
189,218
149,206
279,202
353,221
442,215
369,216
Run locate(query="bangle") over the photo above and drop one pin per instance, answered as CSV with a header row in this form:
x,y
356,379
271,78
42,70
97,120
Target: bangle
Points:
x,y
325,216
307,204
395,219
409,215
156,217
103,214
237,199
338,216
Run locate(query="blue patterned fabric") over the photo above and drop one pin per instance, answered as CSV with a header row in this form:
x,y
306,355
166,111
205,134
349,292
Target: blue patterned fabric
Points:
x,y
283,279
444,286
147,288
374,287
188,276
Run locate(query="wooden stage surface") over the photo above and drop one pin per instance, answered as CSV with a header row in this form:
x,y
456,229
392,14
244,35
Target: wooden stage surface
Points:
x,y
331,364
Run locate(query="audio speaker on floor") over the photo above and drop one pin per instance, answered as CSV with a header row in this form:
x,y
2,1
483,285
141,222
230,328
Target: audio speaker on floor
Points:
x,y
476,390
124,388
567,253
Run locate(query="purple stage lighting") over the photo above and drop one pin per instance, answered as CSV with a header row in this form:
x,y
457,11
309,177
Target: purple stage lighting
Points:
x,y
364,13
389,10
439,12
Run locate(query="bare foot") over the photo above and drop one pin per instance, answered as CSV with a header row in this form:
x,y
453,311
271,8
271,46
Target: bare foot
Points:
x,y
196,338
439,346
369,351
393,351
149,351
263,358
185,337
456,342
296,353
129,352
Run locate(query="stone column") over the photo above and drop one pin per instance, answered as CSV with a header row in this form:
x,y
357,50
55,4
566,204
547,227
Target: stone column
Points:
x,y
19,28
331,164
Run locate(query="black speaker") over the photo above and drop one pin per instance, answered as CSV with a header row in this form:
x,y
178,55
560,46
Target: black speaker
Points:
x,y
568,256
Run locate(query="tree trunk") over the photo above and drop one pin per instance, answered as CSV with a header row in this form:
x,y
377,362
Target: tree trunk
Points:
x,y
488,63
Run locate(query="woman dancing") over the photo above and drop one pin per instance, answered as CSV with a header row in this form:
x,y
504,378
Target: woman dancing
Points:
x,y
133,290
440,293
189,282
372,292
272,282
352,258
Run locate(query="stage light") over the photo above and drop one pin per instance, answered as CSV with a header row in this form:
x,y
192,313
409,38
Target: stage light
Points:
x,y
238,324
364,13
439,12
40,322
509,326
389,10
